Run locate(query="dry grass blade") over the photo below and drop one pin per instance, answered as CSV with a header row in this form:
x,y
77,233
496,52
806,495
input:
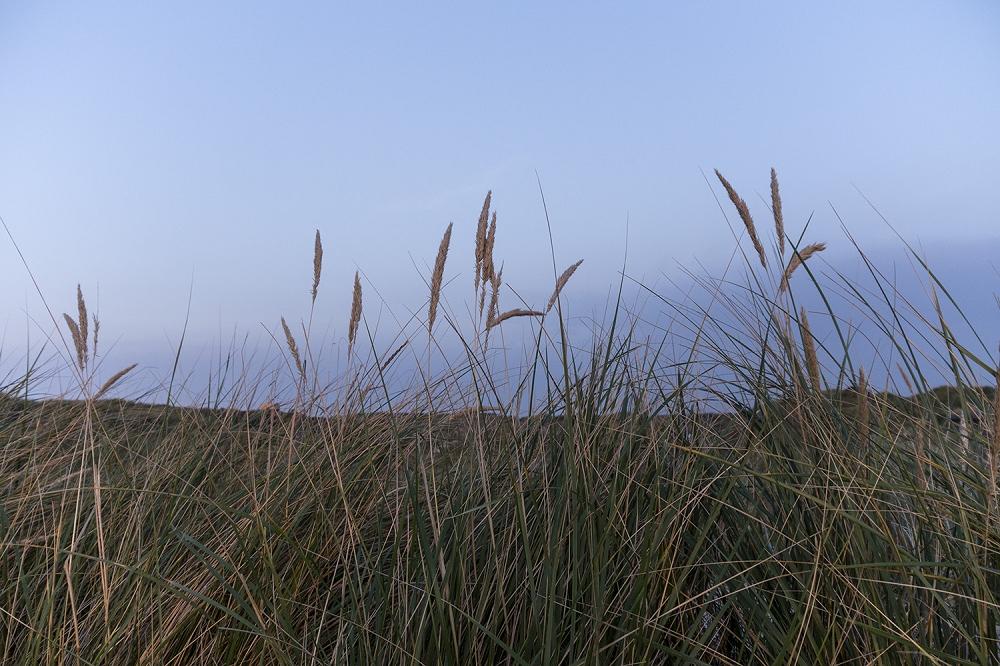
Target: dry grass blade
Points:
x,y
484,218
994,448
437,278
809,349
293,348
779,218
560,283
317,264
799,258
113,379
863,412
744,211
352,327
510,314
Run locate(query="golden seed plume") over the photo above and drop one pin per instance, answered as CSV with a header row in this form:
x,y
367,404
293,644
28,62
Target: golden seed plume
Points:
x,y
488,266
317,264
494,308
78,347
495,283
81,307
437,277
779,219
352,327
809,348
293,348
113,379
797,260
560,283
491,237
499,319
744,211
484,218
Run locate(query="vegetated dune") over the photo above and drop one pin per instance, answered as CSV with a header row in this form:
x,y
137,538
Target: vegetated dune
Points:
x,y
755,502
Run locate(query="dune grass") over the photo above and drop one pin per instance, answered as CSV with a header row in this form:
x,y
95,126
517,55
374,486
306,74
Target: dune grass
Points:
x,y
751,499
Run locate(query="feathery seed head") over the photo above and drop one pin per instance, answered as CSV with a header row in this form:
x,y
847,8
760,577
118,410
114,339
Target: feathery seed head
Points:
x,y
437,277
560,283
352,327
779,218
744,211
799,258
317,264
293,349
509,314
484,218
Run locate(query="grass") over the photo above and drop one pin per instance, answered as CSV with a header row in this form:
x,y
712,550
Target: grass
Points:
x,y
757,501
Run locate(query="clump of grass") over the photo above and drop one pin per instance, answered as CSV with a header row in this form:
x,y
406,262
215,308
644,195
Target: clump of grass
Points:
x,y
619,504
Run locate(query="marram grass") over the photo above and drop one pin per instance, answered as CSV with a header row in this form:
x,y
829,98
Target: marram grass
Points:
x,y
760,501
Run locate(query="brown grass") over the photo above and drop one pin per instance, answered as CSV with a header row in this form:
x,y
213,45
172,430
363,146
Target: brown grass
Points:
x,y
864,417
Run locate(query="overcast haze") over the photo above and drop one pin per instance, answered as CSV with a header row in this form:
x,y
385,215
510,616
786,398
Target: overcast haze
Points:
x,y
145,146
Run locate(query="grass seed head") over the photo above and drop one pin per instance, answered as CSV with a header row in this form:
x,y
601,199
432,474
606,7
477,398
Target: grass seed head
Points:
x,y
484,217
799,258
293,348
560,283
510,314
317,264
352,327
112,380
437,277
779,219
744,211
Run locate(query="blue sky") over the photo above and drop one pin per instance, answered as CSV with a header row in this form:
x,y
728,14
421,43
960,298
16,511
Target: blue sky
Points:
x,y
143,145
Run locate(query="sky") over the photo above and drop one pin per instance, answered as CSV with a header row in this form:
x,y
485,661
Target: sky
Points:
x,y
156,151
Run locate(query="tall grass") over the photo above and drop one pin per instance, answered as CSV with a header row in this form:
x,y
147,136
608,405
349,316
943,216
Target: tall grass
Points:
x,y
735,492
